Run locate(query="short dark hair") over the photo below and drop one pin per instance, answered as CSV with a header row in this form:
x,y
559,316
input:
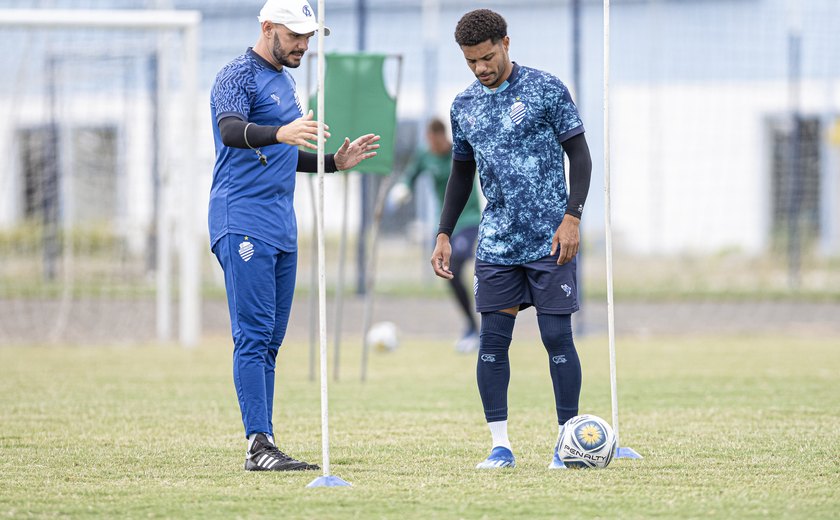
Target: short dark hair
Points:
x,y
436,126
479,26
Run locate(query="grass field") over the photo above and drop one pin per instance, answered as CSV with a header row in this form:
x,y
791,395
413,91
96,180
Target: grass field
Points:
x,y
729,427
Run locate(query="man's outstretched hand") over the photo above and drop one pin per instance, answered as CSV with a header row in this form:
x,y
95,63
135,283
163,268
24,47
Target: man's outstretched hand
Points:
x,y
351,154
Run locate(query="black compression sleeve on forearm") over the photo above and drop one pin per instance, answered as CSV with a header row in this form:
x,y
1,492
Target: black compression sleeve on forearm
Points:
x,y
580,173
232,130
458,191
308,162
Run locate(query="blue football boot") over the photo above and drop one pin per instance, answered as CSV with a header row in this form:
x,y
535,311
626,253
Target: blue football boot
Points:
x,y
499,457
556,461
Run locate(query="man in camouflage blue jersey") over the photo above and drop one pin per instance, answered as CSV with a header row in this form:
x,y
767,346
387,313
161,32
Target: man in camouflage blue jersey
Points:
x,y
514,125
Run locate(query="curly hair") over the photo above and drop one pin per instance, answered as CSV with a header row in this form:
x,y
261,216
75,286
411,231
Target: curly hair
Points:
x,y
479,26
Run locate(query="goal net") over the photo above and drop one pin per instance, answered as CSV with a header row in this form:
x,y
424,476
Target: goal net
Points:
x,y
94,109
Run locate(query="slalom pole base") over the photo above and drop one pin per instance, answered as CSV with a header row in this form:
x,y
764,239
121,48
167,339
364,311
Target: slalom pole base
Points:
x,y
328,481
627,453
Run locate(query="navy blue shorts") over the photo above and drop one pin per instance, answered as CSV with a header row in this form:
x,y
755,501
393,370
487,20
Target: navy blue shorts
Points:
x,y
550,288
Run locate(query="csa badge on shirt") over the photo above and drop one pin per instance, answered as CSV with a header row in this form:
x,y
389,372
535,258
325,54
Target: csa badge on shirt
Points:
x,y
517,112
246,250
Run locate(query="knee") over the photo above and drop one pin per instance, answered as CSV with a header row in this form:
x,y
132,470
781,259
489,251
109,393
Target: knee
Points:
x,y
277,338
496,331
557,339
271,355
556,332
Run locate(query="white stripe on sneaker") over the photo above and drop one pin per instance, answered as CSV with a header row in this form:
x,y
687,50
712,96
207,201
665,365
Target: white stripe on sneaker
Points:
x,y
273,462
261,462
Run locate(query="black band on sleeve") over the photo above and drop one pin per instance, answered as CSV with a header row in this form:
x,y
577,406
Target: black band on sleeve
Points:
x,y
308,162
458,190
580,173
232,130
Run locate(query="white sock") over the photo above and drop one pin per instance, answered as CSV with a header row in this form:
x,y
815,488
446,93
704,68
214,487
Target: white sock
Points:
x,y
498,430
254,436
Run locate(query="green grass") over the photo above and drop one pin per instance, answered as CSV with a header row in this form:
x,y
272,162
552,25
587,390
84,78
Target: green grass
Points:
x,y
729,427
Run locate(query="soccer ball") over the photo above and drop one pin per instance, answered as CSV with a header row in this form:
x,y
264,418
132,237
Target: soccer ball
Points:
x,y
587,442
383,336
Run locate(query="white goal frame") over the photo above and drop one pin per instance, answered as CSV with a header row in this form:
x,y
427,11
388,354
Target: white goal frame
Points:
x,y
182,219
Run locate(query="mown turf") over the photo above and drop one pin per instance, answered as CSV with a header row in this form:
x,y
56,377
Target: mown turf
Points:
x,y
729,427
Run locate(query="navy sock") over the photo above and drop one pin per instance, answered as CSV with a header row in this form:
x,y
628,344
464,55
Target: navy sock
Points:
x,y
563,362
493,370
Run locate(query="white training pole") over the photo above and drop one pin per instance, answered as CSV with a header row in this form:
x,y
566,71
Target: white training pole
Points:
x,y
322,293
342,263
326,480
313,281
620,452
608,220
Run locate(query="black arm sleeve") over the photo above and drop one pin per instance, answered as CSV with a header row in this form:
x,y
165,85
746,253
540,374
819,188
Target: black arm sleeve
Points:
x,y
458,191
232,130
580,173
308,162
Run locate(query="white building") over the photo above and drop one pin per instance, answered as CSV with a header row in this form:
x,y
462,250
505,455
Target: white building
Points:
x,y
702,94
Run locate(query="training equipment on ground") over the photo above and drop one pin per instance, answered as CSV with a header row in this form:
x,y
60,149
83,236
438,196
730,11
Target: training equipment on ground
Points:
x,y
587,441
327,479
383,336
628,453
500,457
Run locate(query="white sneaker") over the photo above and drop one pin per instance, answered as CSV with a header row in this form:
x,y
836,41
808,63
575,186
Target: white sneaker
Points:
x,y
467,344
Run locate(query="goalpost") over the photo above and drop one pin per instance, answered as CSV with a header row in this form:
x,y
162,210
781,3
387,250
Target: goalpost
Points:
x,y
98,112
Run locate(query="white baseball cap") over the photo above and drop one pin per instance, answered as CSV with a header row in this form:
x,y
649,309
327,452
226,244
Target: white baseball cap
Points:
x,y
296,15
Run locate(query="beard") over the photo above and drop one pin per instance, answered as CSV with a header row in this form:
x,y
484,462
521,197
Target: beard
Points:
x,y
491,78
286,59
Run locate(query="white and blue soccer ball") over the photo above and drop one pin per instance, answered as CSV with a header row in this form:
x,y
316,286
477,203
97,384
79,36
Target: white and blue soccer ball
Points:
x,y
587,441
383,336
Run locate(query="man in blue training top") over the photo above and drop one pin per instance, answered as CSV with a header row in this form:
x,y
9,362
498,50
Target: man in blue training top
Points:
x,y
258,125
514,125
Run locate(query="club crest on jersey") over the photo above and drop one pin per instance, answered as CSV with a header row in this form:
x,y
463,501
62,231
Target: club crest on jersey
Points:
x,y
246,250
517,112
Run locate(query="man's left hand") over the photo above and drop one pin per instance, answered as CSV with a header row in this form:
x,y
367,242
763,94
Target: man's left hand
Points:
x,y
351,154
567,239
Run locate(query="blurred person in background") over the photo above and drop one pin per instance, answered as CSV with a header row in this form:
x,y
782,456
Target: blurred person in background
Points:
x,y
514,125
436,162
258,125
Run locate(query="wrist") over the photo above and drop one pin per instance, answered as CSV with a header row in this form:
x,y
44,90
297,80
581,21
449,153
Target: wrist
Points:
x,y
330,164
574,219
